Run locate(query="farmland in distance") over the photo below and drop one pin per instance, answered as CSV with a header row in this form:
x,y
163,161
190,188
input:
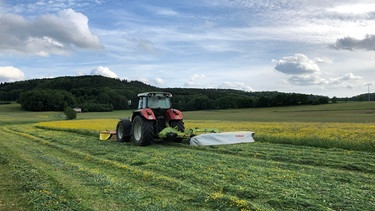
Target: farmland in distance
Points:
x,y
44,168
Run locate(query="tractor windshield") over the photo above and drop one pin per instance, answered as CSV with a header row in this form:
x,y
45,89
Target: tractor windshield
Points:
x,y
159,102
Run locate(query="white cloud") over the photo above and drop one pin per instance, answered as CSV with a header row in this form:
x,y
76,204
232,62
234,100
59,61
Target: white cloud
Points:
x,y
49,6
305,72
236,85
166,12
153,82
307,79
158,81
196,80
80,73
357,8
73,28
9,73
345,78
323,60
295,65
302,70
349,43
46,34
139,44
160,10
43,46
104,71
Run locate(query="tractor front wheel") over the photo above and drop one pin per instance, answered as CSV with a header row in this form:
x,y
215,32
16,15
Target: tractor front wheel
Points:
x,y
123,130
142,131
177,123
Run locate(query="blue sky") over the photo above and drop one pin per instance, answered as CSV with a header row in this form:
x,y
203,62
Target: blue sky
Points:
x,y
312,47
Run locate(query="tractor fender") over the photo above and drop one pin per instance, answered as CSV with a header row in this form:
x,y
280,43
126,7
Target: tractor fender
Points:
x,y
173,114
147,113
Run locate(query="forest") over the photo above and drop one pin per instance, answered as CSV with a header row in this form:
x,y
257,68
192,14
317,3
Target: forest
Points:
x,y
98,93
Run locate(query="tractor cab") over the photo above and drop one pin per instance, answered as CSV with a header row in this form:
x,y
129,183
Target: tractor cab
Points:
x,y
154,100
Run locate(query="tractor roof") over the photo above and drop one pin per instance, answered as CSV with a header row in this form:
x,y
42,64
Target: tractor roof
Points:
x,y
149,94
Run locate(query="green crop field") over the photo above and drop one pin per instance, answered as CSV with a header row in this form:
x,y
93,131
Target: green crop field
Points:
x,y
304,158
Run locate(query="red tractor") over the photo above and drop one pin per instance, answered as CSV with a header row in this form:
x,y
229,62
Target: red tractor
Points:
x,y
154,118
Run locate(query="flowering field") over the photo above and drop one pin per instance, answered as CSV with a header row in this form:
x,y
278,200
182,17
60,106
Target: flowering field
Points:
x,y
353,136
87,126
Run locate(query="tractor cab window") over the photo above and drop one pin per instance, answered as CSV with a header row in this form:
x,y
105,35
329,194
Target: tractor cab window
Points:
x,y
159,102
142,103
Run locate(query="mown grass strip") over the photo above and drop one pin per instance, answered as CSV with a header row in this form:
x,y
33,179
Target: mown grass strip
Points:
x,y
352,160
12,195
94,178
147,176
33,188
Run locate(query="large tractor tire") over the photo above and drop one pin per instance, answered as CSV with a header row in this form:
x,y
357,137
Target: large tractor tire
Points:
x,y
123,130
142,131
180,127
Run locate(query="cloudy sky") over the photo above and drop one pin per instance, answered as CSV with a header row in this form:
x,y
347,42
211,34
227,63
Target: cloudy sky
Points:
x,y
313,47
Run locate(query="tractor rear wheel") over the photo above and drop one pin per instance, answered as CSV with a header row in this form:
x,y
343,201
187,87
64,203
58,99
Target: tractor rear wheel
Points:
x,y
142,131
123,130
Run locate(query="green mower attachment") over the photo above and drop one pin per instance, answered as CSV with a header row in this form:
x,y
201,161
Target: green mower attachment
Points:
x,y
167,133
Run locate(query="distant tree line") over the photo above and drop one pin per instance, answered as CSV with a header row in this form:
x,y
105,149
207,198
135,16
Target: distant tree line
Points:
x,y
361,97
201,99
98,93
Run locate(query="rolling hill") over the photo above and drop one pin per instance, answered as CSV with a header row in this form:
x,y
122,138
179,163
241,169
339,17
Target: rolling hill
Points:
x,y
98,93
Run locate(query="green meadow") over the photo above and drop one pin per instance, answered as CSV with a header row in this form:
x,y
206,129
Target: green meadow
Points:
x,y
47,169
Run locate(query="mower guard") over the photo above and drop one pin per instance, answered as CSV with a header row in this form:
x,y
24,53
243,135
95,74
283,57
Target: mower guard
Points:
x,y
222,138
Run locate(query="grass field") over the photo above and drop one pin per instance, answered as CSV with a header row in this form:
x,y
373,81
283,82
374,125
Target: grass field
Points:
x,y
57,167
